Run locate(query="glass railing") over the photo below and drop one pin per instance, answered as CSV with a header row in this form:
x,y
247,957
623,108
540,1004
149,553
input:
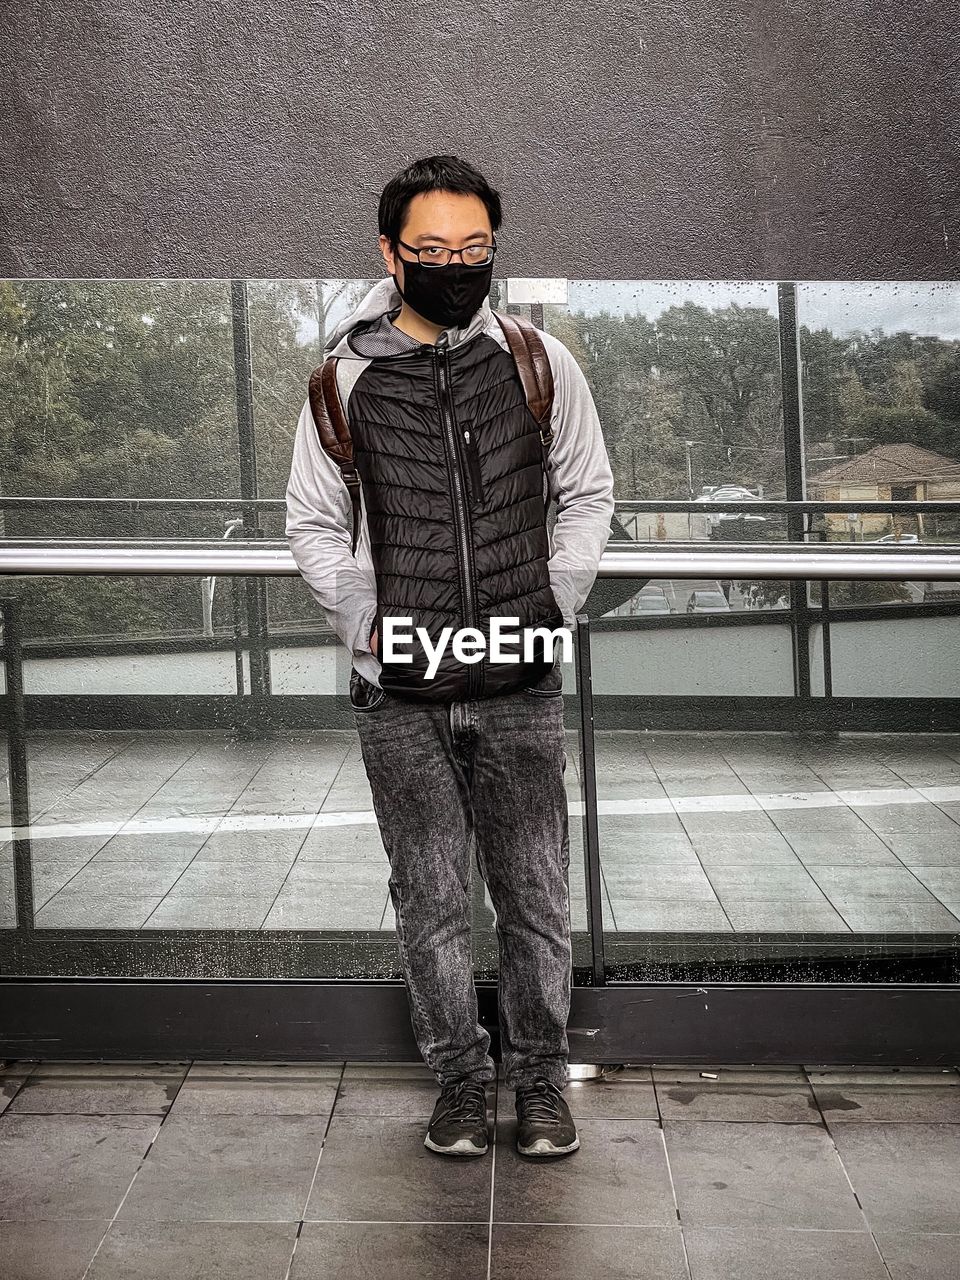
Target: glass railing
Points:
x,y
162,818
764,712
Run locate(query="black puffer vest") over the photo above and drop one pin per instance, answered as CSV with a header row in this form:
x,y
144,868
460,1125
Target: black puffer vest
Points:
x,y
451,470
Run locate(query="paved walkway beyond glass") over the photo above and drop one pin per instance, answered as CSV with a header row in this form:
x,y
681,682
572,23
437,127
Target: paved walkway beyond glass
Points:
x,y
700,833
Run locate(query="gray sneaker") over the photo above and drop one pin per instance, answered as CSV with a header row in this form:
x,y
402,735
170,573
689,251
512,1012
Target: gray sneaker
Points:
x,y
544,1124
458,1126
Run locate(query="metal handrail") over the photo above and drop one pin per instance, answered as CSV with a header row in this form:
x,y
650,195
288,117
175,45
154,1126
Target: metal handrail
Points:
x,y
946,506
747,560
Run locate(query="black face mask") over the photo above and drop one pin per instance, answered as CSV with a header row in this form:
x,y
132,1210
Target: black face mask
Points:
x,y
445,295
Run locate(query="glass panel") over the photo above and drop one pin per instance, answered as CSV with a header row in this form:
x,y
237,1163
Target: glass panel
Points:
x,y
884,657
782,854
120,391
162,804
171,830
686,379
766,846
881,402
100,635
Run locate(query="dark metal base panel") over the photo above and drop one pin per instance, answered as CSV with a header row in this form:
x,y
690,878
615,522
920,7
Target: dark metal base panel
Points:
x,y
763,1024
255,716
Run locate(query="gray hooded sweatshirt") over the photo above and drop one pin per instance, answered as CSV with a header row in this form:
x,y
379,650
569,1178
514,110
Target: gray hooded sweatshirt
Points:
x,y
319,511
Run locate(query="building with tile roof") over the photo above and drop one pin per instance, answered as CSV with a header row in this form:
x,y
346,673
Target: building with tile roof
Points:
x,y
887,472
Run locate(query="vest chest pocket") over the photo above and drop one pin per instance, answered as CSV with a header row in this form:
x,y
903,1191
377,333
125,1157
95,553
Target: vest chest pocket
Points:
x,y
473,466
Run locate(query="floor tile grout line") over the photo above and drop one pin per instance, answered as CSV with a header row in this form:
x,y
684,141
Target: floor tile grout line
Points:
x,y
348,747
882,836
182,765
117,751
737,1227
897,774
677,809
673,1186
716,895
343,762
399,1222
20,1087
293,861
810,876
482,1222
206,840
94,855
316,1167
132,818
878,835
136,1172
840,1161
129,818
802,1068
296,858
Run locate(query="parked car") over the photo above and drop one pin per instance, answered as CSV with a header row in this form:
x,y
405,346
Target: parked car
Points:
x,y
730,493
892,537
707,602
727,493
652,599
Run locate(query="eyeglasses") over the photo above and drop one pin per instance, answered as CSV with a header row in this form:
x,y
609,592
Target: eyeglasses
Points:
x,y
471,255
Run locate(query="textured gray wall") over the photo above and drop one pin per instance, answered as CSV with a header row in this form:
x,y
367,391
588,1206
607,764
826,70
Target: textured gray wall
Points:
x,y
806,139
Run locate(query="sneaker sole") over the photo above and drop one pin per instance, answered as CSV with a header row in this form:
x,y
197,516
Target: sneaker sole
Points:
x,y
544,1147
462,1147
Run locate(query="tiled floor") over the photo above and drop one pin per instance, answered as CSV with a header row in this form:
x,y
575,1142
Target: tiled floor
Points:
x,y
149,1171
723,832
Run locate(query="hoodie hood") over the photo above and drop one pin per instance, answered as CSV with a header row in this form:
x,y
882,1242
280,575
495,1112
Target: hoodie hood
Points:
x,y
368,331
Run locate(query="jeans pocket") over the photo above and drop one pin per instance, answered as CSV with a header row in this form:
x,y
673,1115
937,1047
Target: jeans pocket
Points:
x,y
548,686
364,695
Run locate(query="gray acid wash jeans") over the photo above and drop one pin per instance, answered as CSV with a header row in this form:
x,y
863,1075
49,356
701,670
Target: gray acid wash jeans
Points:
x,y
494,767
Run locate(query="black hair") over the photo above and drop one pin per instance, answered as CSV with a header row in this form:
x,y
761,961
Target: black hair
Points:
x,y
434,173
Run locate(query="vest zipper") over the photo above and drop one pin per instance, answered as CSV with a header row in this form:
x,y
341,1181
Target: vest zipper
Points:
x,y
473,461
461,510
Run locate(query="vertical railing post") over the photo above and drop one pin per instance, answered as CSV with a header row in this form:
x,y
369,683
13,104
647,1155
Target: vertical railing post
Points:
x,y
10,618
236,605
825,638
257,628
795,485
588,782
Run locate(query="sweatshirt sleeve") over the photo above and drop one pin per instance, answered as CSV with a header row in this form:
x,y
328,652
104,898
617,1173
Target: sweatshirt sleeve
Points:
x,y
319,533
581,483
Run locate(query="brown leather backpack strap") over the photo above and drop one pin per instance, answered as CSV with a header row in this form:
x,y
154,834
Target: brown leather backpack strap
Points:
x,y
334,431
533,365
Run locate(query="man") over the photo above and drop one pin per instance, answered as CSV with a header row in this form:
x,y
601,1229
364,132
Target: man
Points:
x,y
453,535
